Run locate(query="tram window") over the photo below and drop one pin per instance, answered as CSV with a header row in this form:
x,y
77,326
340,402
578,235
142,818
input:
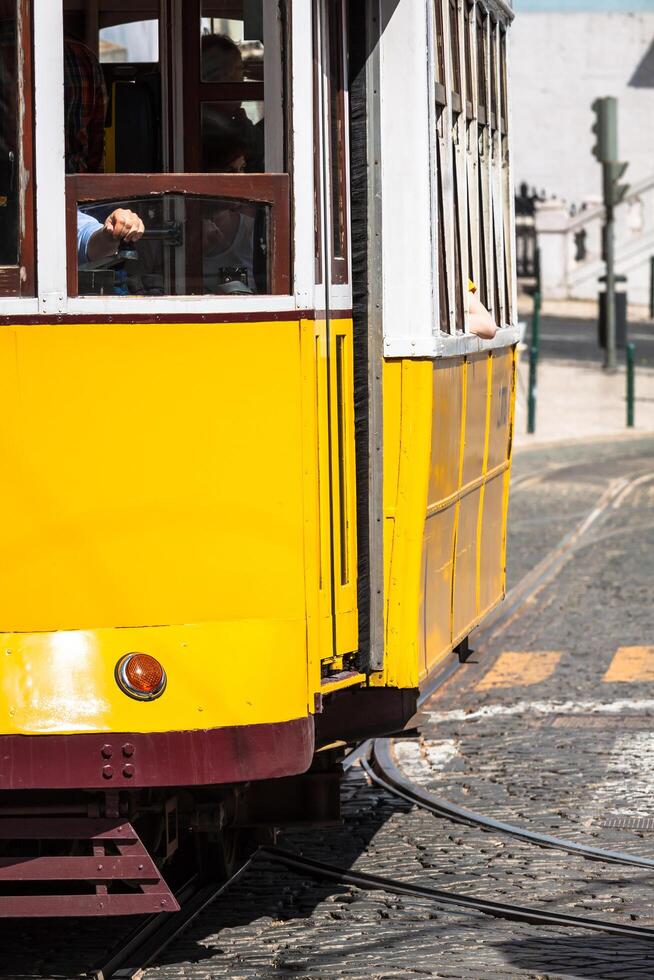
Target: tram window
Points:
x,y
133,43
337,128
504,121
317,156
482,90
232,70
443,291
9,202
468,52
191,246
456,59
439,53
493,74
16,189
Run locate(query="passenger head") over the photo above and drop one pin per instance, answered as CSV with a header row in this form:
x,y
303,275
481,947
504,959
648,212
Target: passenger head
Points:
x,y
221,59
227,141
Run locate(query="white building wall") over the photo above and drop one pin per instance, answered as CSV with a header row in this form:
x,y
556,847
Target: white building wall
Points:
x,y
562,62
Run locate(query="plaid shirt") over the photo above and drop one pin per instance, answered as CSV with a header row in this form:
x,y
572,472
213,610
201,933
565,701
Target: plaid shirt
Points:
x,y
85,108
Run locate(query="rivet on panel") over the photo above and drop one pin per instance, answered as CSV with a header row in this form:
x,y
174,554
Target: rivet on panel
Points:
x,y
128,771
128,749
108,772
107,751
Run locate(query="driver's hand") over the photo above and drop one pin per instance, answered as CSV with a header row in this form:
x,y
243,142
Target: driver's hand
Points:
x,y
123,226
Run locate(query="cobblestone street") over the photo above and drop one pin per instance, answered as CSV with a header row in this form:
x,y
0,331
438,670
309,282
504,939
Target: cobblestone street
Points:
x,y
548,725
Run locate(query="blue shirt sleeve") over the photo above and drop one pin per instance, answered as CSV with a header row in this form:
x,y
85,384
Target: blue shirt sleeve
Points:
x,y
86,228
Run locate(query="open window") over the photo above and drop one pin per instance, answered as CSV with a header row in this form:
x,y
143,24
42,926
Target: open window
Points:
x,y
17,274
193,102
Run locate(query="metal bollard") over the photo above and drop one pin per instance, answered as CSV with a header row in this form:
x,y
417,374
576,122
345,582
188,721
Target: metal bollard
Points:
x,y
651,288
631,385
534,352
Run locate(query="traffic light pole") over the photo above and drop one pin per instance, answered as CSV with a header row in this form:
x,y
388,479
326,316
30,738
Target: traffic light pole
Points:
x,y
611,360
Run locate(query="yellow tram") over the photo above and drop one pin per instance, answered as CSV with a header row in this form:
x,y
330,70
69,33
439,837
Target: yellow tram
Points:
x,y
254,465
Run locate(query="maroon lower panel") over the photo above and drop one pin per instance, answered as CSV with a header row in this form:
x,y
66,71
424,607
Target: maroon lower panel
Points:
x,y
199,758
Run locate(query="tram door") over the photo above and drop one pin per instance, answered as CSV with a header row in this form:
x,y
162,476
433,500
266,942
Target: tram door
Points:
x,y
334,335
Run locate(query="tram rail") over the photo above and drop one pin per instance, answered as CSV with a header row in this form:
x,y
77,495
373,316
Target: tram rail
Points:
x,y
384,772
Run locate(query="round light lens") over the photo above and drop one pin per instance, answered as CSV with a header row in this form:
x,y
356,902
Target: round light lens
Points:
x,y
141,676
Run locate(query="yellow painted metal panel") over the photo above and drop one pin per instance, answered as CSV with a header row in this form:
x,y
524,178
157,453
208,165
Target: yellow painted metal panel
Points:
x,y
315,464
344,535
228,673
439,543
468,389
145,479
446,429
465,570
492,558
475,422
317,472
405,504
501,414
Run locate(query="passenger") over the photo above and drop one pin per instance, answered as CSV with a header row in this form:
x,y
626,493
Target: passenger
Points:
x,y
222,62
221,59
480,321
85,107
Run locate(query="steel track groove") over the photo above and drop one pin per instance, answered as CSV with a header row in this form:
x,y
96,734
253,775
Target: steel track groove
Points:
x,y
386,773
139,949
498,910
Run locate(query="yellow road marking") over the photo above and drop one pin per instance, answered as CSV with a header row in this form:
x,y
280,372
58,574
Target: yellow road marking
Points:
x,y
520,670
631,664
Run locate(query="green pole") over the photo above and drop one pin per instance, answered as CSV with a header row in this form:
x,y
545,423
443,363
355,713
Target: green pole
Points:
x,y
534,352
651,288
631,385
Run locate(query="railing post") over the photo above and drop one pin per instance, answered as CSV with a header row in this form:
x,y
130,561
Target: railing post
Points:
x,y
631,385
534,352
651,287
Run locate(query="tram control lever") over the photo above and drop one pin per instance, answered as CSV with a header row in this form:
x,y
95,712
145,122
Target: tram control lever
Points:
x,y
171,234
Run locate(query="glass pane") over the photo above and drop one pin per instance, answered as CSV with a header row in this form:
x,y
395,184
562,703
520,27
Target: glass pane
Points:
x,y
232,45
9,151
191,246
133,43
481,60
454,40
337,128
439,65
233,137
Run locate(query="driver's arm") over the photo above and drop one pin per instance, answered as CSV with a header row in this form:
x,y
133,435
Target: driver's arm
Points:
x,y
96,242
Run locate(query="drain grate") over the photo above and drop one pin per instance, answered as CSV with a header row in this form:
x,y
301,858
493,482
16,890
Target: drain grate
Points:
x,y
622,821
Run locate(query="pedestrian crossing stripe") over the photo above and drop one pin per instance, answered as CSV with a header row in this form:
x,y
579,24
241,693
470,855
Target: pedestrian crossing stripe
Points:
x,y
631,664
520,670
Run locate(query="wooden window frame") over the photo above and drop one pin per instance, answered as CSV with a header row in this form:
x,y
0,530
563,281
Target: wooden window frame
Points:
x,y
273,190
467,42
20,279
456,82
316,34
440,62
482,60
338,198
197,92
